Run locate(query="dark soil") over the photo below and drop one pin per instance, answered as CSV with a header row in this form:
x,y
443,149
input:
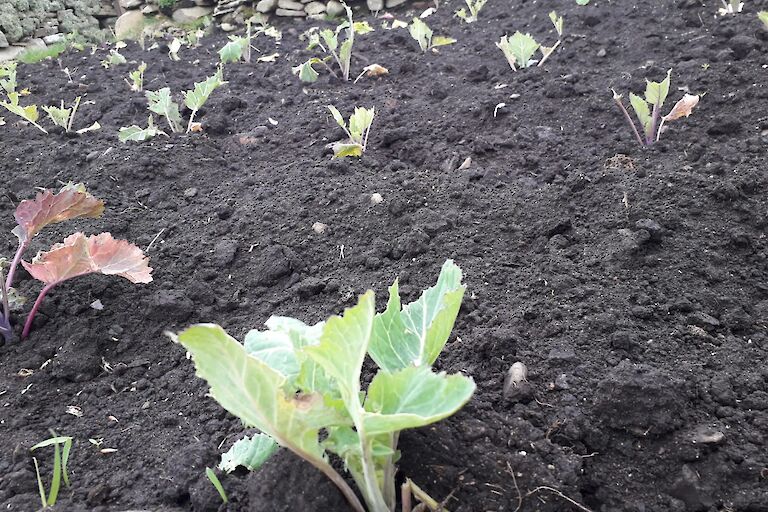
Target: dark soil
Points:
x,y
632,283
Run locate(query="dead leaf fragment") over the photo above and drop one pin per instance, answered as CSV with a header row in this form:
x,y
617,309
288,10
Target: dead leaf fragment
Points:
x,y
682,108
319,227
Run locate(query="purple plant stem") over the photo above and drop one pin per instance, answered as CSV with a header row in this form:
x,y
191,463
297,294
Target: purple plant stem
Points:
x,y
650,137
629,120
15,264
35,307
5,320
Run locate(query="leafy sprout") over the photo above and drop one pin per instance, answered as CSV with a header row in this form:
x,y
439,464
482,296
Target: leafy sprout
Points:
x,y
474,7
423,35
359,128
137,78
648,109
520,49
217,484
28,113
138,134
65,117
300,384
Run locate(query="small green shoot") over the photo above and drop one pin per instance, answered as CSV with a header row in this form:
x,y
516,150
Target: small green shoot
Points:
x,y
329,41
62,116
137,78
648,109
217,484
161,103
196,98
423,35
234,50
359,128
60,459
138,134
474,7
115,58
520,49
28,113
582,2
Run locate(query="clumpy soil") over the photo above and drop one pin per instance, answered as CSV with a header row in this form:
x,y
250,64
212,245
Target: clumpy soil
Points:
x,y
632,283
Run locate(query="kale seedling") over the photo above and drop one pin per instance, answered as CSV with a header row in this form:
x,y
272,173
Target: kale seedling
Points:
x,y
300,385
330,42
161,103
648,109
423,35
474,7
520,48
115,58
138,134
359,128
28,113
137,78
64,117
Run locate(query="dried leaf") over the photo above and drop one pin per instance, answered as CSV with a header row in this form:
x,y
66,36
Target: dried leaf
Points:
x,y
375,70
682,108
71,202
79,256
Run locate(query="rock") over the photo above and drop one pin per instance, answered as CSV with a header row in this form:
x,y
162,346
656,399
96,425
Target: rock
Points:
x,y
265,6
314,8
334,8
129,25
291,5
227,27
131,4
275,262
190,14
394,3
10,53
375,5
36,44
703,320
653,228
171,305
149,9
53,39
3,40
287,12
705,434
106,11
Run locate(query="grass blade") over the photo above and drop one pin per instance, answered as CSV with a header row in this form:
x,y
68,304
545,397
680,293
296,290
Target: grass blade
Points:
x,y
56,479
215,481
40,486
65,459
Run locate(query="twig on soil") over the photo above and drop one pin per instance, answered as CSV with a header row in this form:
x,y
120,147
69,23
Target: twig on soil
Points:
x,y
521,497
154,240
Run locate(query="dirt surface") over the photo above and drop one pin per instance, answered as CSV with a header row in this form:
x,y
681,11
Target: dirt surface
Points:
x,y
632,283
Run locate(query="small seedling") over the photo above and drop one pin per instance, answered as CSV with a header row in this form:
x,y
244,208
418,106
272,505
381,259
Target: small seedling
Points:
x,y
115,58
217,484
137,78
161,103
423,35
64,117
648,109
520,48
62,446
138,134
731,7
28,113
300,384
582,2
173,49
8,76
329,41
359,128
474,7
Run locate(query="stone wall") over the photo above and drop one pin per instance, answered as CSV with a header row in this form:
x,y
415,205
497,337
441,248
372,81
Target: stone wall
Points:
x,y
24,20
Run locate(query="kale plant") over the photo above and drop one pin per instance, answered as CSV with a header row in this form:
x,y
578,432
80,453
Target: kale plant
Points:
x,y
300,385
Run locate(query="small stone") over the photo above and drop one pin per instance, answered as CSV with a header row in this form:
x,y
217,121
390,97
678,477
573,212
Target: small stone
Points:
x,y
707,435
53,39
376,198
394,3
227,27
601,52
265,6
190,14
314,8
3,40
334,8
10,53
652,227
224,252
703,320
190,192
289,13
291,5
319,227
149,9
93,155
516,375
375,5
